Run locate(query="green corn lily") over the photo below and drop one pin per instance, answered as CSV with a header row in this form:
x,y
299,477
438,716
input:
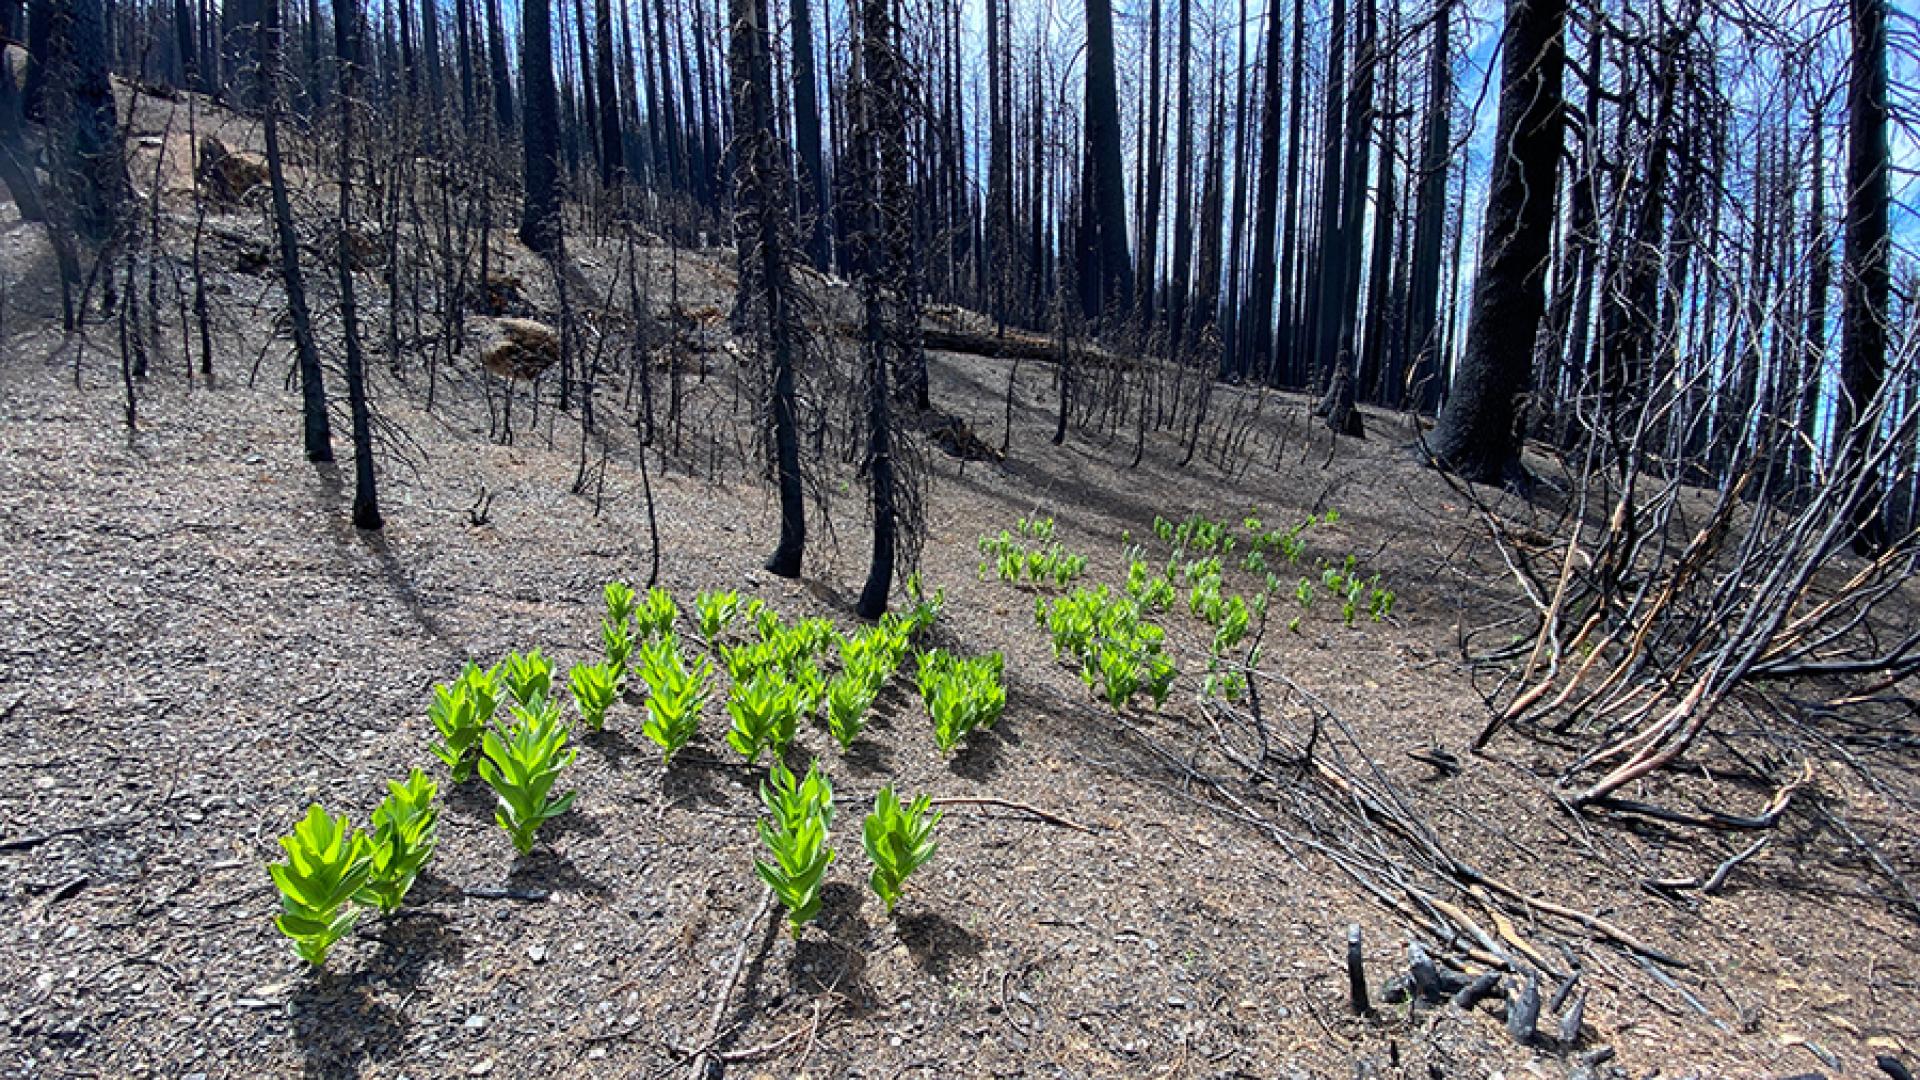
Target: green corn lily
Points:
x,y
327,863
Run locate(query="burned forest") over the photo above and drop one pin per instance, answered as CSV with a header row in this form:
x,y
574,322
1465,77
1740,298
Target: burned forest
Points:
x,y
996,538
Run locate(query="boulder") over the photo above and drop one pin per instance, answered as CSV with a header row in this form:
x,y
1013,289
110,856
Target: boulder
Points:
x,y
520,348
230,175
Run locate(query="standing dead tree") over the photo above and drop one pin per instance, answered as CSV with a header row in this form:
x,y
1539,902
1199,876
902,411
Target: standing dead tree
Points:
x,y
313,392
766,298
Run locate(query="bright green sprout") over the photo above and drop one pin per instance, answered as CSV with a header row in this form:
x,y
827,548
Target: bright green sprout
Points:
x,y
522,765
460,712
766,713
617,639
594,687
528,678
404,835
899,840
327,863
960,694
656,614
796,835
792,801
849,696
715,610
620,601
675,694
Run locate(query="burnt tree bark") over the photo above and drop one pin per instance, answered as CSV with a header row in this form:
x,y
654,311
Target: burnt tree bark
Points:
x,y
1478,435
366,500
1863,327
540,139
316,428
760,223
1105,275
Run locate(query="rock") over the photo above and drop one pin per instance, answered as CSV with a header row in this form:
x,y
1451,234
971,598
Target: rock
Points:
x,y
230,175
520,349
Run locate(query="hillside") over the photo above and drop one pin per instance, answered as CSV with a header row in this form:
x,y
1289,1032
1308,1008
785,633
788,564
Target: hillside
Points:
x,y
198,644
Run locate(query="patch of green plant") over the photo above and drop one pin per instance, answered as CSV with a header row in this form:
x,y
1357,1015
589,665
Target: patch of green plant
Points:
x,y
1232,620
528,678
594,687
766,713
405,833
796,836
655,614
899,840
878,650
1195,534
1120,652
923,610
849,696
961,695
460,712
792,801
1047,564
675,694
620,601
1151,588
327,863
616,639
809,688
1036,528
522,765
715,611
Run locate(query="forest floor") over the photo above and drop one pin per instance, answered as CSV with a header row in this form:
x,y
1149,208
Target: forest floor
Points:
x,y
195,644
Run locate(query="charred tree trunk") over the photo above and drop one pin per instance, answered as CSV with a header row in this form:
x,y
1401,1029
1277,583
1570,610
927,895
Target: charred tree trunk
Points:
x,y
540,141
806,138
1106,278
879,141
1430,215
1329,283
366,501
95,157
1863,328
1257,359
613,146
760,223
1288,363
1478,434
313,391
497,66
1180,291
1146,281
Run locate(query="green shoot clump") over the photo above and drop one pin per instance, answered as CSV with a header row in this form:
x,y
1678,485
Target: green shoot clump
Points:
x,y
1120,652
792,801
715,611
594,687
675,694
528,678
404,836
521,765
655,614
766,713
616,638
960,694
327,863
460,712
849,696
899,840
920,617
796,835
620,601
